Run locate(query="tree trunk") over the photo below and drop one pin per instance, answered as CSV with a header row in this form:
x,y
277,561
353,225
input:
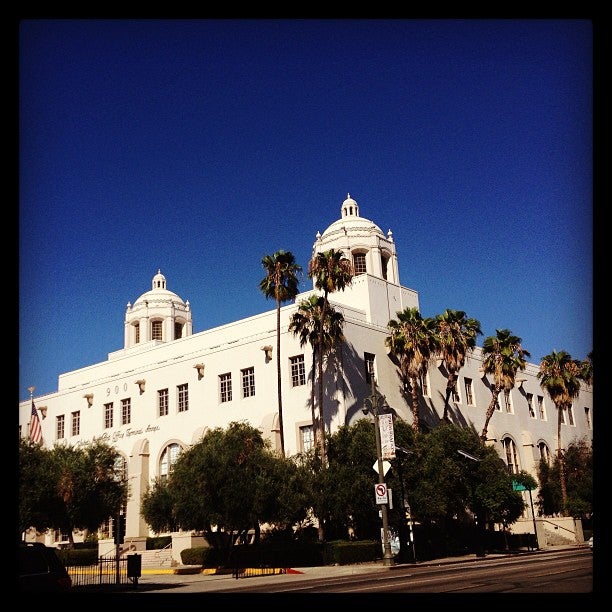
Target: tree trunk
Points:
x,y
561,459
415,404
489,414
278,377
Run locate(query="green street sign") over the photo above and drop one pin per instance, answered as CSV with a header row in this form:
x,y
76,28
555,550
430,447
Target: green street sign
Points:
x,y
517,486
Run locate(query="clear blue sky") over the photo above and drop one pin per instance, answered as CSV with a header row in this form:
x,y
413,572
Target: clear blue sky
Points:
x,y
197,147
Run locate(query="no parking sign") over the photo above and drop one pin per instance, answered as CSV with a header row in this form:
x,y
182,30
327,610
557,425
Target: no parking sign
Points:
x,y
381,493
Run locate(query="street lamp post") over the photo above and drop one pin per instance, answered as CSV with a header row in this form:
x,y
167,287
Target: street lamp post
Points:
x,y
373,404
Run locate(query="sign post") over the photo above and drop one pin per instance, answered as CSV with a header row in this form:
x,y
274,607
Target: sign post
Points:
x,y
373,404
517,486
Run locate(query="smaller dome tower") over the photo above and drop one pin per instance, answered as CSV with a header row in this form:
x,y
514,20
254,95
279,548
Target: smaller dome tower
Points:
x,y
158,315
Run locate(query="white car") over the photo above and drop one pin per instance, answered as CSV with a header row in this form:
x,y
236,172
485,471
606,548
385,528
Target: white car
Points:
x,y
591,542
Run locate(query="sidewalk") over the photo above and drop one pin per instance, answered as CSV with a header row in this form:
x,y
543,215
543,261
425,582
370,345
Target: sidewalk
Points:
x,y
343,570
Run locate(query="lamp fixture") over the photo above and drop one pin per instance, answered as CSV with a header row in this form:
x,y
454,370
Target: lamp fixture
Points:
x,y
89,398
43,411
141,385
268,351
200,368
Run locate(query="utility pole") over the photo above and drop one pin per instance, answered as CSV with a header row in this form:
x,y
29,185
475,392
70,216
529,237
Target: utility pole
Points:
x,y
373,404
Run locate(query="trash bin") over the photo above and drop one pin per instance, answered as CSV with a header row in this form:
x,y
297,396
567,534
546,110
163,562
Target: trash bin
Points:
x,y
134,565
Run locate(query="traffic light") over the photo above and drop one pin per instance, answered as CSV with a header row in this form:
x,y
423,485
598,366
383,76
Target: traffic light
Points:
x,y
119,529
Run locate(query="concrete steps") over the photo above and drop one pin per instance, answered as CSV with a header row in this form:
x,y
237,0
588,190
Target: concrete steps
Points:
x,y
157,558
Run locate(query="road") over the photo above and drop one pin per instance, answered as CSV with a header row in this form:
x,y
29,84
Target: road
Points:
x,y
559,572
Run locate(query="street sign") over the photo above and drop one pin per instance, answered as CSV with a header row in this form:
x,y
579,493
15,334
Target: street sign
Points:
x,y
517,486
381,494
386,466
387,436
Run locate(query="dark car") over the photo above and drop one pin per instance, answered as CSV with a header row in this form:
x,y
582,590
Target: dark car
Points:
x,y
41,570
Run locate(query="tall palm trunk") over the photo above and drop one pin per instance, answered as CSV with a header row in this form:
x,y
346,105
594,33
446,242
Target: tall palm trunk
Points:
x,y
561,459
315,424
489,413
278,378
414,403
450,385
320,364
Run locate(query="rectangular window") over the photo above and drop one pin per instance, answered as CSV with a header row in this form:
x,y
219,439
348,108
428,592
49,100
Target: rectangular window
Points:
x,y
500,402
508,403
156,330
455,394
137,330
162,402
59,427
108,415
532,413
306,438
425,385
469,394
76,423
225,387
126,411
587,416
563,416
298,371
541,409
369,367
570,415
248,382
183,397
359,263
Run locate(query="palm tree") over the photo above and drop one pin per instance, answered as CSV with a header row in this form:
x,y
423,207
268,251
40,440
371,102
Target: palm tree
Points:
x,y
305,323
331,271
456,335
413,342
280,283
503,357
560,376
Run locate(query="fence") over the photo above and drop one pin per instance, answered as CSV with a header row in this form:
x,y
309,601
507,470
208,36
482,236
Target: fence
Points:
x,y
108,570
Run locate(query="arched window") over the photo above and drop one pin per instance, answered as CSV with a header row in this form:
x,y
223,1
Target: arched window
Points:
x,y
384,261
511,455
168,459
544,452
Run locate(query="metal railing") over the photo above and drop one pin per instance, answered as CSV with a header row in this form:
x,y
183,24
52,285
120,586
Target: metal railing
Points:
x,y
107,571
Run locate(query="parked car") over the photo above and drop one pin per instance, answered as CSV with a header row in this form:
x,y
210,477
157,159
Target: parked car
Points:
x,y
41,570
591,542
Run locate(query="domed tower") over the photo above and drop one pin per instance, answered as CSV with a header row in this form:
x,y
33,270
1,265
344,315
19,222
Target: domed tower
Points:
x,y
361,241
376,286
159,315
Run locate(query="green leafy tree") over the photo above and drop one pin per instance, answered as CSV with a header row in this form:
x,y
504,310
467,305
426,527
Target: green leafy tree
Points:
x,y
35,486
330,272
281,284
305,323
157,507
503,356
84,486
227,484
578,462
456,335
412,342
561,377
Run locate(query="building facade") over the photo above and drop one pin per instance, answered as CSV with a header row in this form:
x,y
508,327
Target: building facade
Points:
x,y
160,393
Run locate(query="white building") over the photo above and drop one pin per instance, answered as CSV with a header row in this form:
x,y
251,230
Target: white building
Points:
x,y
167,385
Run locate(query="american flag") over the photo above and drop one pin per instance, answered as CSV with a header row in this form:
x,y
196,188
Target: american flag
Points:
x,y
35,428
